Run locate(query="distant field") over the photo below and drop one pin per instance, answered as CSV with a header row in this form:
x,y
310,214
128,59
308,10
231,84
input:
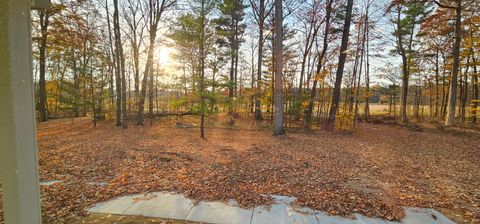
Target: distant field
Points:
x,y
378,108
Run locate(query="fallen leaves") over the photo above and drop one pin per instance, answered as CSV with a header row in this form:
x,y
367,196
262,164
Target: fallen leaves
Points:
x,y
374,171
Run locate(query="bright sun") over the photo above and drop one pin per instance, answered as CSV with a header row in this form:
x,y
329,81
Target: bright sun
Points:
x,y
164,55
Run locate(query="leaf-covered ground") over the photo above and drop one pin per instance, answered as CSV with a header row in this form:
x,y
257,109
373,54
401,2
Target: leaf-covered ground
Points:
x,y
374,171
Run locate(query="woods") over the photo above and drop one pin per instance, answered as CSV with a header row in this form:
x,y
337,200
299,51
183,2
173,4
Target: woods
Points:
x,y
206,56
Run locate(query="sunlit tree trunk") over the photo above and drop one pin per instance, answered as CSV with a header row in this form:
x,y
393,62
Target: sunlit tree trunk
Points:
x,y
341,65
278,128
456,63
155,10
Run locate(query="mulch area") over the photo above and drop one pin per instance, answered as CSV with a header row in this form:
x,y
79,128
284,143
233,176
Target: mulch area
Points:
x,y
374,171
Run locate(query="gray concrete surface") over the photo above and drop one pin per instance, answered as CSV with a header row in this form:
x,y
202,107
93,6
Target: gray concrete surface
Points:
x,y
175,206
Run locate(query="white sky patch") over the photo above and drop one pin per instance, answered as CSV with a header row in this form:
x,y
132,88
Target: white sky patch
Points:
x,y
163,55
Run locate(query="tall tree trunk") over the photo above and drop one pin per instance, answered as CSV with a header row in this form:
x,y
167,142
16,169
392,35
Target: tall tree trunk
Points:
x,y
474,89
136,76
202,71
299,94
92,92
353,81
110,79
341,65
118,79
143,92
437,90
404,97
456,61
231,83
405,68
357,89
443,106
310,38
278,128
464,95
252,84
309,111
122,89
148,68
150,91
76,84
367,71
261,20
42,92
236,46
155,10
116,64
272,83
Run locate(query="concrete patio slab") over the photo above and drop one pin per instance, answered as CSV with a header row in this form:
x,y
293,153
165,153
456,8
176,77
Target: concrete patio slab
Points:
x,y
364,220
425,215
283,212
218,212
175,206
161,205
116,206
302,215
325,218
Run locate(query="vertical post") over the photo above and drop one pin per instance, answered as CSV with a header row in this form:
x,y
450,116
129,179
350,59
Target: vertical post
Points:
x,y
18,160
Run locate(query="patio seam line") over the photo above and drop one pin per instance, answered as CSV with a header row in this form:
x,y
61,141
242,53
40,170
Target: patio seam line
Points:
x,y
253,213
316,217
124,211
188,213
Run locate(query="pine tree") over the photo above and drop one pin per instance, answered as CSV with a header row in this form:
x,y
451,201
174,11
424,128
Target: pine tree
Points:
x,y
230,26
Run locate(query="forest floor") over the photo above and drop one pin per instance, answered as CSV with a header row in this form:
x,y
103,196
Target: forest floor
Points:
x,y
374,171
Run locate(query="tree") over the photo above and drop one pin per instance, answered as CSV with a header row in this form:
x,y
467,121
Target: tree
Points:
x,y
44,16
202,67
194,42
405,27
312,23
320,63
120,59
367,70
456,63
261,11
115,63
230,26
42,95
278,128
155,10
136,28
341,64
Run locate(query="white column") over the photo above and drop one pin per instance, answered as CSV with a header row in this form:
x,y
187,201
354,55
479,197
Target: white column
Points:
x,y
18,154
